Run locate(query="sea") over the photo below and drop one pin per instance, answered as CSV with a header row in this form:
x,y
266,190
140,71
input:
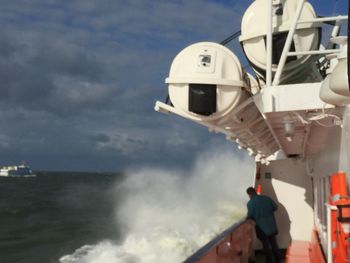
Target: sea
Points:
x,y
146,215
45,217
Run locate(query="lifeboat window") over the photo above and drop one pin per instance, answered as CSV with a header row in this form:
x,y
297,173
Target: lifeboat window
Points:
x,y
202,99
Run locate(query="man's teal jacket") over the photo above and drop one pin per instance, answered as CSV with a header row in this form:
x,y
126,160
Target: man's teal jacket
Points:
x,y
261,209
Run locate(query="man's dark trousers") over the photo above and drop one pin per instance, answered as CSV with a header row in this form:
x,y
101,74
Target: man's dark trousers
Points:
x,y
272,254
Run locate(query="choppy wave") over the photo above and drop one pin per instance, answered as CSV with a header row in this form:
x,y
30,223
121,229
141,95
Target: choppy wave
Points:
x,y
168,215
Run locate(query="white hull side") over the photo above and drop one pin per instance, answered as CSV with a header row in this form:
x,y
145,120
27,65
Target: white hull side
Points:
x,y
27,175
291,188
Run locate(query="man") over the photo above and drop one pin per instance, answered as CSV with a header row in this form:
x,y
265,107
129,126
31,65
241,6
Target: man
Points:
x,y
261,209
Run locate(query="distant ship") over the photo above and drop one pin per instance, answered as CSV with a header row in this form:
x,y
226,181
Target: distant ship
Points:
x,y
16,171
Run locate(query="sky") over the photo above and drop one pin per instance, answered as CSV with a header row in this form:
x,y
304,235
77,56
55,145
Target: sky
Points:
x,y
79,80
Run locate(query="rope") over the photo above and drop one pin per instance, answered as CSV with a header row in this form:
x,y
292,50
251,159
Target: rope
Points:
x,y
230,38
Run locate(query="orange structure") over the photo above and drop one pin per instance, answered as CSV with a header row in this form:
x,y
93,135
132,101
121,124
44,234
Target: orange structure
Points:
x,y
340,218
233,246
304,251
258,189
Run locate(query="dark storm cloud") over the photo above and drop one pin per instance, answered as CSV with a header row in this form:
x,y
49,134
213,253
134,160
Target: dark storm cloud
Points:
x,y
44,72
7,46
69,60
100,138
79,80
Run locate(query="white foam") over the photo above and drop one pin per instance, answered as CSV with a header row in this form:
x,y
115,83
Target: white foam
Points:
x,y
168,215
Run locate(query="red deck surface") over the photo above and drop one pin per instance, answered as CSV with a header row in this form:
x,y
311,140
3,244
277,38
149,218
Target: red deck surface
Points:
x,y
298,252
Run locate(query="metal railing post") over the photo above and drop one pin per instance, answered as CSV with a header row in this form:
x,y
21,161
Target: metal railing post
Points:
x,y
269,45
288,43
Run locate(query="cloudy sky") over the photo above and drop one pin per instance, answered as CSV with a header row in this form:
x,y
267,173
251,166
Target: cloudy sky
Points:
x,y
79,79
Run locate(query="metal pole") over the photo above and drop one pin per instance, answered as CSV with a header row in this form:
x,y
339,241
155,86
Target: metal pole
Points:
x,y
269,44
329,240
348,45
315,52
323,19
288,43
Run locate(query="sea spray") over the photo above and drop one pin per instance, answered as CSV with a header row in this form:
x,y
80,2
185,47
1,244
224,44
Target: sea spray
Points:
x,y
167,215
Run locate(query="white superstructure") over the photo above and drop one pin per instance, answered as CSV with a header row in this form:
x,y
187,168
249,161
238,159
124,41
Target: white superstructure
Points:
x,y
16,171
294,118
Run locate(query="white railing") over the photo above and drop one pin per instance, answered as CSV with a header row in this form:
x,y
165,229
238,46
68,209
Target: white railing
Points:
x,y
286,49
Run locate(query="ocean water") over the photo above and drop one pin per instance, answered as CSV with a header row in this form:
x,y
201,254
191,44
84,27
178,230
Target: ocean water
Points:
x,y
146,215
45,217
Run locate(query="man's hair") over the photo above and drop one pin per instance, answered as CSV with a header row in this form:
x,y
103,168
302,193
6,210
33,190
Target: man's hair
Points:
x,y
251,191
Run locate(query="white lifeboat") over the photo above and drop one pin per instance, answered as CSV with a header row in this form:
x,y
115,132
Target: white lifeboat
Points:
x,y
206,81
207,85
253,38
